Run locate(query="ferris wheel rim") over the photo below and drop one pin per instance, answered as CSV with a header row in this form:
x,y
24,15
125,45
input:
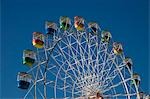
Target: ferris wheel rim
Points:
x,y
59,39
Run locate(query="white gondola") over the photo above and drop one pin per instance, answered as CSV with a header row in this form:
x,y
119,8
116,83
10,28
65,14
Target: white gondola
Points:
x,y
105,36
136,79
93,27
50,27
128,62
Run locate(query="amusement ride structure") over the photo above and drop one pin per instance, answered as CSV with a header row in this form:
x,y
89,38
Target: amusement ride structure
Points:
x,y
77,61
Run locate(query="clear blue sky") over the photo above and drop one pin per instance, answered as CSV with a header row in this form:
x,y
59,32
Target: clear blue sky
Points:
x,y
126,19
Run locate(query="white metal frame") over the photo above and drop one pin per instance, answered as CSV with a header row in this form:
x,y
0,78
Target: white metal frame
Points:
x,y
76,64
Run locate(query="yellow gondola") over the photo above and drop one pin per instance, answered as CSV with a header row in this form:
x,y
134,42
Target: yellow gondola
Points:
x,y
79,23
38,40
117,48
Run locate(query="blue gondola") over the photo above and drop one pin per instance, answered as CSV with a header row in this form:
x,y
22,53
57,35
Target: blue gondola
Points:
x,y
24,80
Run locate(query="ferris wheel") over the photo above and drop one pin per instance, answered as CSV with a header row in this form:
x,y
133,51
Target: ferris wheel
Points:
x,y
79,61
